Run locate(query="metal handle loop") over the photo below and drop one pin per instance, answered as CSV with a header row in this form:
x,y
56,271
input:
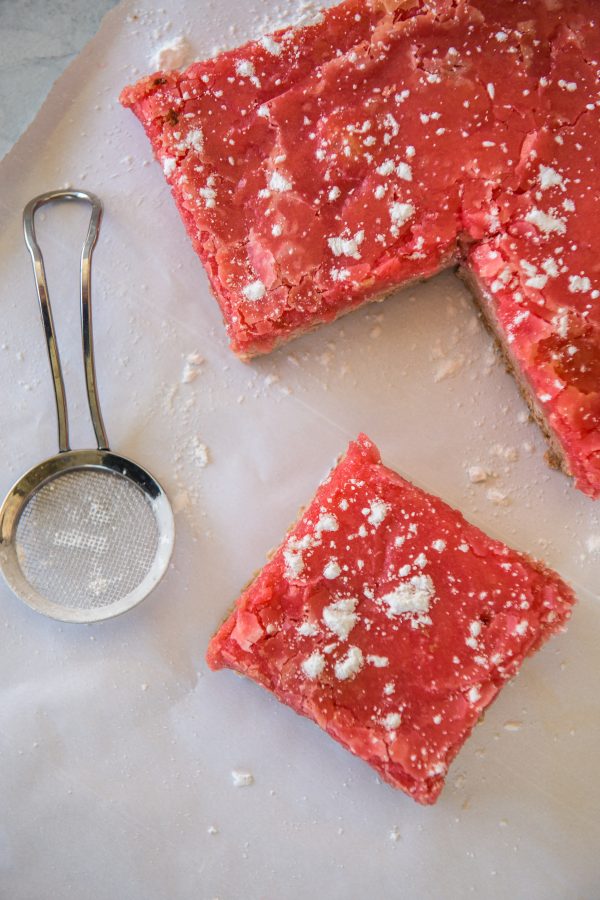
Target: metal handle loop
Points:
x,y
86,312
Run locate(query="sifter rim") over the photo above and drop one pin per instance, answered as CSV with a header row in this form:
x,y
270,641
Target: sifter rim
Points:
x,y
52,468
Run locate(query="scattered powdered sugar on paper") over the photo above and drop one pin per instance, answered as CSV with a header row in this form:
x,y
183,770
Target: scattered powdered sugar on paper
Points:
x,y
448,367
191,368
200,453
290,16
180,501
514,725
477,474
174,54
242,778
592,543
498,497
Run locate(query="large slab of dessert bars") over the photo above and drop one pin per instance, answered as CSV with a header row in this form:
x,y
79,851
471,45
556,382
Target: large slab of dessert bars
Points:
x,y
325,166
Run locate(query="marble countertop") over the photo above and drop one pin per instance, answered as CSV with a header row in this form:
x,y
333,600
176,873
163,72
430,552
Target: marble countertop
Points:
x,y
39,40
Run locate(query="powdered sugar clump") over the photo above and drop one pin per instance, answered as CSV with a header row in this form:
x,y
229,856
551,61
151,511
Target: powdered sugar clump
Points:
x,y
346,246
278,182
400,213
350,665
340,617
380,662
377,511
292,556
327,522
549,177
332,569
411,597
168,163
270,45
313,665
254,291
544,222
579,284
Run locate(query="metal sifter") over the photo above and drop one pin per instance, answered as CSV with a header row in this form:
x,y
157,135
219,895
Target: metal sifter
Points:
x,y
86,534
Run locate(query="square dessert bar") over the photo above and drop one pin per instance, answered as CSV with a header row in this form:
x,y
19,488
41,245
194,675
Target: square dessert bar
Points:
x,y
390,621
324,166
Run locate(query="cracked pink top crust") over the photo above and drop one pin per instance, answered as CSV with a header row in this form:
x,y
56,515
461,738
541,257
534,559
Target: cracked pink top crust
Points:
x,y
390,621
324,166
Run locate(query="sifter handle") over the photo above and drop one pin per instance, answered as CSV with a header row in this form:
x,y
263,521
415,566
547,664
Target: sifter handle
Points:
x,y
86,312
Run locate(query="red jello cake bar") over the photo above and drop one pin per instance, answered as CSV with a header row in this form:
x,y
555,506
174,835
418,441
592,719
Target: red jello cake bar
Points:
x,y
390,621
325,166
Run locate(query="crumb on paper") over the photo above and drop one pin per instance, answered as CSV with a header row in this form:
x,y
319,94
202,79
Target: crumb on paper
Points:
x,y
191,368
499,498
510,454
242,778
394,834
592,544
477,474
212,829
514,725
173,54
200,453
447,368
180,501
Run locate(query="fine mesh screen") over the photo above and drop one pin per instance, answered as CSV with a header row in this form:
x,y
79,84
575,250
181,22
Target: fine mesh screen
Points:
x,y
87,539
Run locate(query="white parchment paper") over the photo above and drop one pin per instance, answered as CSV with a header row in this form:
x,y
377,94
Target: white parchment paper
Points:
x,y
116,743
